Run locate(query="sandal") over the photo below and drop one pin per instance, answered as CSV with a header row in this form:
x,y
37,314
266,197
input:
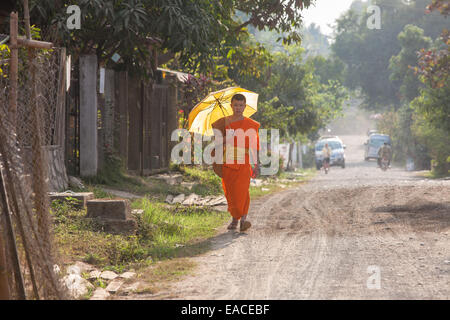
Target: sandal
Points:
x,y
245,225
233,225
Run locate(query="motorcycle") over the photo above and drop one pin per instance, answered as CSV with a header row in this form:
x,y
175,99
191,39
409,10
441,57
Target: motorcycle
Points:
x,y
326,166
384,163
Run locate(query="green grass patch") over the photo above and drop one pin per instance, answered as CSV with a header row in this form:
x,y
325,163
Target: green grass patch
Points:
x,y
203,182
207,182
170,229
433,175
163,233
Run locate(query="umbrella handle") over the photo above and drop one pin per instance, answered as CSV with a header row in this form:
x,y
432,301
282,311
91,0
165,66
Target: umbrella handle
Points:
x,y
220,105
224,115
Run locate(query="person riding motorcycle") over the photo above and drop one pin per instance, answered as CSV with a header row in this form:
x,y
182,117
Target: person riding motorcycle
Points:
x,y
385,151
326,154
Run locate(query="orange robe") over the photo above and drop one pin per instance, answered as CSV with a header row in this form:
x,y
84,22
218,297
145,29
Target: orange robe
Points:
x,y
235,176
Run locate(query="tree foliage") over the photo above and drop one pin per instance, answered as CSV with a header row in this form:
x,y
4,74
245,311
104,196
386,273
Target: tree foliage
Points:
x,y
297,100
411,40
196,32
367,52
284,17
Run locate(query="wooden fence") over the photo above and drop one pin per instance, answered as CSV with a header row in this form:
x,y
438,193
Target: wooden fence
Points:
x,y
135,121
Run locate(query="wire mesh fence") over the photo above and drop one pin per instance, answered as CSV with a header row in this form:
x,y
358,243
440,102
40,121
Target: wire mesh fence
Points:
x,y
24,139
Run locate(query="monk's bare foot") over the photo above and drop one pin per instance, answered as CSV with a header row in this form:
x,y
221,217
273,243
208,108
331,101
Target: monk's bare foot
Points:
x,y
245,225
233,225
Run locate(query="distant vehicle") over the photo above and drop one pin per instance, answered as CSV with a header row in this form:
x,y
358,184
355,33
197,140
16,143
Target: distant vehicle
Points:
x,y
373,144
330,137
337,152
371,132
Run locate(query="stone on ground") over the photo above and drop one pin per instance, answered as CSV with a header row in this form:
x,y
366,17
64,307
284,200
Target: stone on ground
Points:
x,y
94,274
191,199
100,294
169,199
77,286
131,288
73,270
128,275
108,275
169,179
220,200
179,198
114,286
137,211
256,182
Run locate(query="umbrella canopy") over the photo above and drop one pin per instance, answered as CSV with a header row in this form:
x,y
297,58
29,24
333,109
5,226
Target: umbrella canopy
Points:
x,y
217,105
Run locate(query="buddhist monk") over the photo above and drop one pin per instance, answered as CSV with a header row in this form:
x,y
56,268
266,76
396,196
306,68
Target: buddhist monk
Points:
x,y
241,141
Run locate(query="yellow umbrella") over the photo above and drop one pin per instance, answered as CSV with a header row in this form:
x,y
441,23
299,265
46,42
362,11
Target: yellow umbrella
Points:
x,y
217,105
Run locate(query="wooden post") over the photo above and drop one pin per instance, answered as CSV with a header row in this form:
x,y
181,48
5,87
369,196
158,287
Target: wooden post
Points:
x,y
121,115
14,67
34,43
26,12
11,240
88,116
4,286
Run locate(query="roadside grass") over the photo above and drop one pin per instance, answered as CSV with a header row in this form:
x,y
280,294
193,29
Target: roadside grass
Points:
x,y
286,179
203,182
433,175
163,233
205,177
167,236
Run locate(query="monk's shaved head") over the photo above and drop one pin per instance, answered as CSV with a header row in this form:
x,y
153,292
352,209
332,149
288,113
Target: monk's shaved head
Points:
x,y
239,97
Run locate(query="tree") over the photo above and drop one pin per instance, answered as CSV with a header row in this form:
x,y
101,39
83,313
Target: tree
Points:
x,y
296,100
434,70
367,52
195,32
411,40
441,5
327,69
135,29
278,15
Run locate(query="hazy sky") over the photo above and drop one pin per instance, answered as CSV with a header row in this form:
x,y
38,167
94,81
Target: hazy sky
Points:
x,y
325,12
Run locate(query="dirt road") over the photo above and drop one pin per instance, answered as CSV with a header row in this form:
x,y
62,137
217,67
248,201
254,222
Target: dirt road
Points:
x,y
356,233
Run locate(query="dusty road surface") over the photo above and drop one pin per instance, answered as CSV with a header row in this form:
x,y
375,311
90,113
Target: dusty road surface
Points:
x,y
356,233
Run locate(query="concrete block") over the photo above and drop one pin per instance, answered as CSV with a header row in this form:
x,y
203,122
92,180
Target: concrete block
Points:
x,y
114,226
109,209
81,197
113,216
